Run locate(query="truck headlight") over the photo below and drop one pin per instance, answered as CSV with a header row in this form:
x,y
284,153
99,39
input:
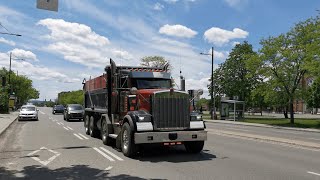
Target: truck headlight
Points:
x,y
195,117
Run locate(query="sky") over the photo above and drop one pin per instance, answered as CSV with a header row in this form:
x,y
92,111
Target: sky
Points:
x,y
62,48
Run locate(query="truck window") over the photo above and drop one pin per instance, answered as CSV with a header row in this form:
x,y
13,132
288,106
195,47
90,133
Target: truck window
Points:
x,y
152,83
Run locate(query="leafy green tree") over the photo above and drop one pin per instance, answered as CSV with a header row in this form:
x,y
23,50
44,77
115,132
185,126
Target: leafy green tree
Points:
x,y
155,61
71,97
202,102
286,58
231,78
313,94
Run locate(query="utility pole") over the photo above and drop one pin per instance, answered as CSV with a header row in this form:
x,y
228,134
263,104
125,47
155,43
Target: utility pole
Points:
x,y
213,99
10,67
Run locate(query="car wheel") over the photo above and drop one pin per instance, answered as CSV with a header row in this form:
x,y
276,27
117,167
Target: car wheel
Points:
x,y
93,131
194,146
106,140
67,118
127,145
86,124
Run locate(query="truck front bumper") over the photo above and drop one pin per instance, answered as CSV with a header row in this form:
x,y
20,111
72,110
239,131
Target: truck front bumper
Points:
x,y
174,136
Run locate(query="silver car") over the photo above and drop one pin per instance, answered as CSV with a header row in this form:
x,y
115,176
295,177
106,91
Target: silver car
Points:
x,y
73,111
28,112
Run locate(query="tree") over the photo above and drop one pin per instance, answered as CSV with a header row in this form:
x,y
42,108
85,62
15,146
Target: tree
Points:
x,y
71,97
313,94
155,61
202,102
285,59
231,78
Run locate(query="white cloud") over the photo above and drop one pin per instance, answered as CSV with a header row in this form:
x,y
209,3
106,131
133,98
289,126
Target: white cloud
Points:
x,y
23,54
78,43
171,1
235,3
158,6
3,40
235,43
177,30
33,71
220,36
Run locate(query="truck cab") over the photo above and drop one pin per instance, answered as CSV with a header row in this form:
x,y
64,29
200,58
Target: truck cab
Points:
x,y
137,105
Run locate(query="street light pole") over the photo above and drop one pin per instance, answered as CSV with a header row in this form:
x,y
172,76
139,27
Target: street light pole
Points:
x,y
213,99
10,67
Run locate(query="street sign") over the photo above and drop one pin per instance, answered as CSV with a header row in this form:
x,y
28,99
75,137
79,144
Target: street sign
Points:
x,y
51,5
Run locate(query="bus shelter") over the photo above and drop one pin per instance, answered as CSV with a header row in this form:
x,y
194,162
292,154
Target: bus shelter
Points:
x,y
232,110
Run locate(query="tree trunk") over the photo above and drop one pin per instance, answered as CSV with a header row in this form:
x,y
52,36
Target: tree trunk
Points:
x,y
285,112
291,112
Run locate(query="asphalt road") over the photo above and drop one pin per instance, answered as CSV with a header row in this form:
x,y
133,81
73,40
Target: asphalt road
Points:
x,y
55,149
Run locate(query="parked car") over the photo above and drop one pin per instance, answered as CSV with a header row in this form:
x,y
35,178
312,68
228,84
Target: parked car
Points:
x,y
28,112
57,109
73,111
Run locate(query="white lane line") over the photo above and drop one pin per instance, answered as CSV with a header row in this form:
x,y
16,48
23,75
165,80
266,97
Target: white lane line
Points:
x,y
58,123
104,171
310,172
78,136
115,156
70,128
42,112
103,154
61,123
66,128
83,136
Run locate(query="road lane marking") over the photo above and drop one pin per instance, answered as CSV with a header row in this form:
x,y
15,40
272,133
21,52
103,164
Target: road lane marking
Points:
x,y
310,172
42,112
110,153
66,128
78,136
70,128
44,162
83,136
61,123
103,154
104,171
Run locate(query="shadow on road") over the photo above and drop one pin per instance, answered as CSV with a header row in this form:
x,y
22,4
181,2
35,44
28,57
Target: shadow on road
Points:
x,y
174,154
36,172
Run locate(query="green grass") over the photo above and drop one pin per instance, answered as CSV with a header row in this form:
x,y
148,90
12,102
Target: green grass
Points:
x,y
299,123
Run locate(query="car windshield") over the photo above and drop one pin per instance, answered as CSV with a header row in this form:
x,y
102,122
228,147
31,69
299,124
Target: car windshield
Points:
x,y
75,107
28,109
152,83
59,107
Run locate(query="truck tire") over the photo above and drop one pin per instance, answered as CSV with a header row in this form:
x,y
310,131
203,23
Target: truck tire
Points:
x,y
92,129
106,140
127,145
194,146
86,124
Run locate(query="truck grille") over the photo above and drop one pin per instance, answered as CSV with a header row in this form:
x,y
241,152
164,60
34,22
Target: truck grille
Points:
x,y
170,112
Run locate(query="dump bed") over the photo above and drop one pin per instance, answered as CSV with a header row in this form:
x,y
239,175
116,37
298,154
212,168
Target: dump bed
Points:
x,y
96,83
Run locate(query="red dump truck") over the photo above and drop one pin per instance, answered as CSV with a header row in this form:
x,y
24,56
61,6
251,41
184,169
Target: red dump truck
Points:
x,y
132,106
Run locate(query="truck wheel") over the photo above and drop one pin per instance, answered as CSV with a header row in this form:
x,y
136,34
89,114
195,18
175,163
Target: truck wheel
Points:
x,y
194,146
86,125
127,145
93,131
106,140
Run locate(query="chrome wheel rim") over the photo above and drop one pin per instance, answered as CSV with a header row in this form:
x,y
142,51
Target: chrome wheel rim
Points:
x,y
125,140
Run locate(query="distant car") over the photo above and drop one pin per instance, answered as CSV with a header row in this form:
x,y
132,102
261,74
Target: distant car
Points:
x,y
57,109
28,112
73,111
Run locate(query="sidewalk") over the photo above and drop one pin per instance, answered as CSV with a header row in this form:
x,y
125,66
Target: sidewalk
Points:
x,y
261,125
6,120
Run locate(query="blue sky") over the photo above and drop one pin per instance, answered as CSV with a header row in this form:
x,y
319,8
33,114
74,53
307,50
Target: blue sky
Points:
x,y
61,48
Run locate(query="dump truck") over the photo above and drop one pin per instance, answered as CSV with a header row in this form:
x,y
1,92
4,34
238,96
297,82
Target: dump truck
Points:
x,y
134,106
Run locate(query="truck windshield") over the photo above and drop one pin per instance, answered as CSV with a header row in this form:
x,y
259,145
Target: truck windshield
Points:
x,y
152,83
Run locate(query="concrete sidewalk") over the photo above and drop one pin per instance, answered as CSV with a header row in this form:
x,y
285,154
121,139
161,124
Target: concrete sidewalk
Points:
x,y
261,125
6,120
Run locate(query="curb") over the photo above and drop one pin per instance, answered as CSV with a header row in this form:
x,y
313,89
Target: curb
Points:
x,y
263,125
5,129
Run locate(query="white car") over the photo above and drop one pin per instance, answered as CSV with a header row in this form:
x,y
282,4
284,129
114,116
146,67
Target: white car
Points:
x,y
28,112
